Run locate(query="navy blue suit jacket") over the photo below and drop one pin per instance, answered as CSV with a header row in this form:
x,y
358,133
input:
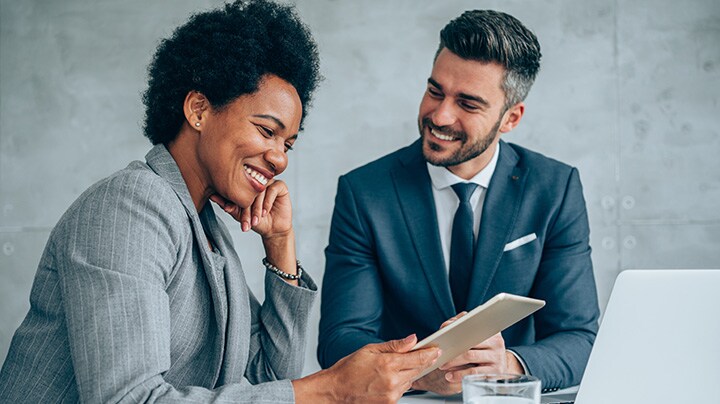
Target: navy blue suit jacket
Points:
x,y
385,275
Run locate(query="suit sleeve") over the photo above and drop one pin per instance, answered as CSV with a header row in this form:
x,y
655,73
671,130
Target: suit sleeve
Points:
x,y
352,298
565,328
119,251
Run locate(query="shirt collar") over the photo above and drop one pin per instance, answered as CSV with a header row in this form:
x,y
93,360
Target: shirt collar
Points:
x,y
443,178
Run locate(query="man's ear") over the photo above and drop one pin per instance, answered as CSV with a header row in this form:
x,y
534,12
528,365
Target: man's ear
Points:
x,y
512,117
196,108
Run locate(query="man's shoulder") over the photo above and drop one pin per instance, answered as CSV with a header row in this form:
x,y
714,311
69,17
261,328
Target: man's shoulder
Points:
x,y
527,158
546,177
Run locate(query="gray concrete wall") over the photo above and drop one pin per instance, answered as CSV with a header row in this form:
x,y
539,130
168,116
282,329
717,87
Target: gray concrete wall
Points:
x,y
628,93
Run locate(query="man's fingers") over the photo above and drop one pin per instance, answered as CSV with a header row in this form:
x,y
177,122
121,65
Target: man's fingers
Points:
x,y
457,375
435,381
474,357
495,341
452,319
488,351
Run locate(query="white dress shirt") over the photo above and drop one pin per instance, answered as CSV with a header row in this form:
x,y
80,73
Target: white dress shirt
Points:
x,y
447,202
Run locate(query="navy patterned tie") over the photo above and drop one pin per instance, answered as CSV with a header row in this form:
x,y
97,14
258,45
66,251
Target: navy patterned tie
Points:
x,y
462,246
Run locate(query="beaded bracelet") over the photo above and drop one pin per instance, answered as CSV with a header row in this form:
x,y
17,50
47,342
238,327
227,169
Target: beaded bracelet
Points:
x,y
272,268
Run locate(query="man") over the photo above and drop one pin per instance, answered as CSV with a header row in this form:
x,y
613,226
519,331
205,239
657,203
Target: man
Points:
x,y
406,253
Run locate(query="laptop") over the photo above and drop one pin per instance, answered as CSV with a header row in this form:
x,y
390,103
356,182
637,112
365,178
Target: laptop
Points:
x,y
659,341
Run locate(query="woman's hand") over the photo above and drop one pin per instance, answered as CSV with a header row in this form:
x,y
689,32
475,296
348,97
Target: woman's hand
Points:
x,y
270,215
376,373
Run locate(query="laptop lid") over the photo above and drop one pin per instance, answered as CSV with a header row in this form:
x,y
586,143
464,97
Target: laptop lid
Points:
x,y
659,341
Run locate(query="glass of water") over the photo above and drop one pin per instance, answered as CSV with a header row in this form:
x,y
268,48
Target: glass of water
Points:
x,y
500,389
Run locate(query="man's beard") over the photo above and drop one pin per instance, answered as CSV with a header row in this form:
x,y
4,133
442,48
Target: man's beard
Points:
x,y
465,152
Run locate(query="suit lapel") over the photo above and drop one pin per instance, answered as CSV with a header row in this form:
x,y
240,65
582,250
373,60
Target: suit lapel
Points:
x,y
160,161
500,209
414,192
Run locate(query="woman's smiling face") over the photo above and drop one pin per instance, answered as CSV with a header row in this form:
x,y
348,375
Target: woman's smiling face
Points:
x,y
243,145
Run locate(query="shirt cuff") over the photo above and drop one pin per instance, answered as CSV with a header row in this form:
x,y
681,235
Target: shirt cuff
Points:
x,y
522,362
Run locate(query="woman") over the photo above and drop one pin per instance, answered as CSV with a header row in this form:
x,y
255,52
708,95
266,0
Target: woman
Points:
x,y
140,295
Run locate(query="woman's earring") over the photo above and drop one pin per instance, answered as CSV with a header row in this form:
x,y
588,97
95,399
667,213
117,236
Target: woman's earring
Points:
x,y
197,124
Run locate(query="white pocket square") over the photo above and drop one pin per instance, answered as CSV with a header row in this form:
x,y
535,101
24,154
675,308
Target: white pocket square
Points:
x,y
521,241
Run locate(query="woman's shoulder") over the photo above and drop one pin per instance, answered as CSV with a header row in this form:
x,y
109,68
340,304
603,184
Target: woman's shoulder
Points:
x,y
132,181
137,184
132,215
135,193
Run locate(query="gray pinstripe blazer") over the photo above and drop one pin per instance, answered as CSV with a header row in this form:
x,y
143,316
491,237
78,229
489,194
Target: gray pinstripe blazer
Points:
x,y
129,304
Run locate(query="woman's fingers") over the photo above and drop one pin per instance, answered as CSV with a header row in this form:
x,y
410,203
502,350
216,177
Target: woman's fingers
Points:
x,y
245,219
219,200
229,207
257,207
274,200
270,195
417,361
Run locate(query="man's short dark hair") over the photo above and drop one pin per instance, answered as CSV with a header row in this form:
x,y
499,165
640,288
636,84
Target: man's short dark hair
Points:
x,y
223,54
493,36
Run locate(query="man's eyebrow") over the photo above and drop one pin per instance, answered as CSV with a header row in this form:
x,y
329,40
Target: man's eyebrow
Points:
x,y
464,96
272,118
434,83
478,99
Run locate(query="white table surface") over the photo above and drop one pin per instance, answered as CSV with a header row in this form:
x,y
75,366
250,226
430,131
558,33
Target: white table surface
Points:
x,y
432,398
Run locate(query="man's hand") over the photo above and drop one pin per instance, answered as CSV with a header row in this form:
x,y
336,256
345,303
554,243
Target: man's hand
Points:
x,y
489,356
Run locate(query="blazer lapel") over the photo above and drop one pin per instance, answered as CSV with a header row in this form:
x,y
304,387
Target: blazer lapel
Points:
x,y
500,209
160,161
413,186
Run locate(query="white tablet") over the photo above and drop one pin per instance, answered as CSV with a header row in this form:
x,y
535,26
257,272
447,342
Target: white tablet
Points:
x,y
479,324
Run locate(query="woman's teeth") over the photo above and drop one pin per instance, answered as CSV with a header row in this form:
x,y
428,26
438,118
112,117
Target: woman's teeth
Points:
x,y
259,177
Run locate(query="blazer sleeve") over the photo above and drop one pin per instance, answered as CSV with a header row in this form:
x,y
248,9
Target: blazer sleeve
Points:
x,y
116,253
352,302
279,329
565,328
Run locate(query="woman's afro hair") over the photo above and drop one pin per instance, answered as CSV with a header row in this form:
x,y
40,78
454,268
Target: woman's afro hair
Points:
x,y
224,54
